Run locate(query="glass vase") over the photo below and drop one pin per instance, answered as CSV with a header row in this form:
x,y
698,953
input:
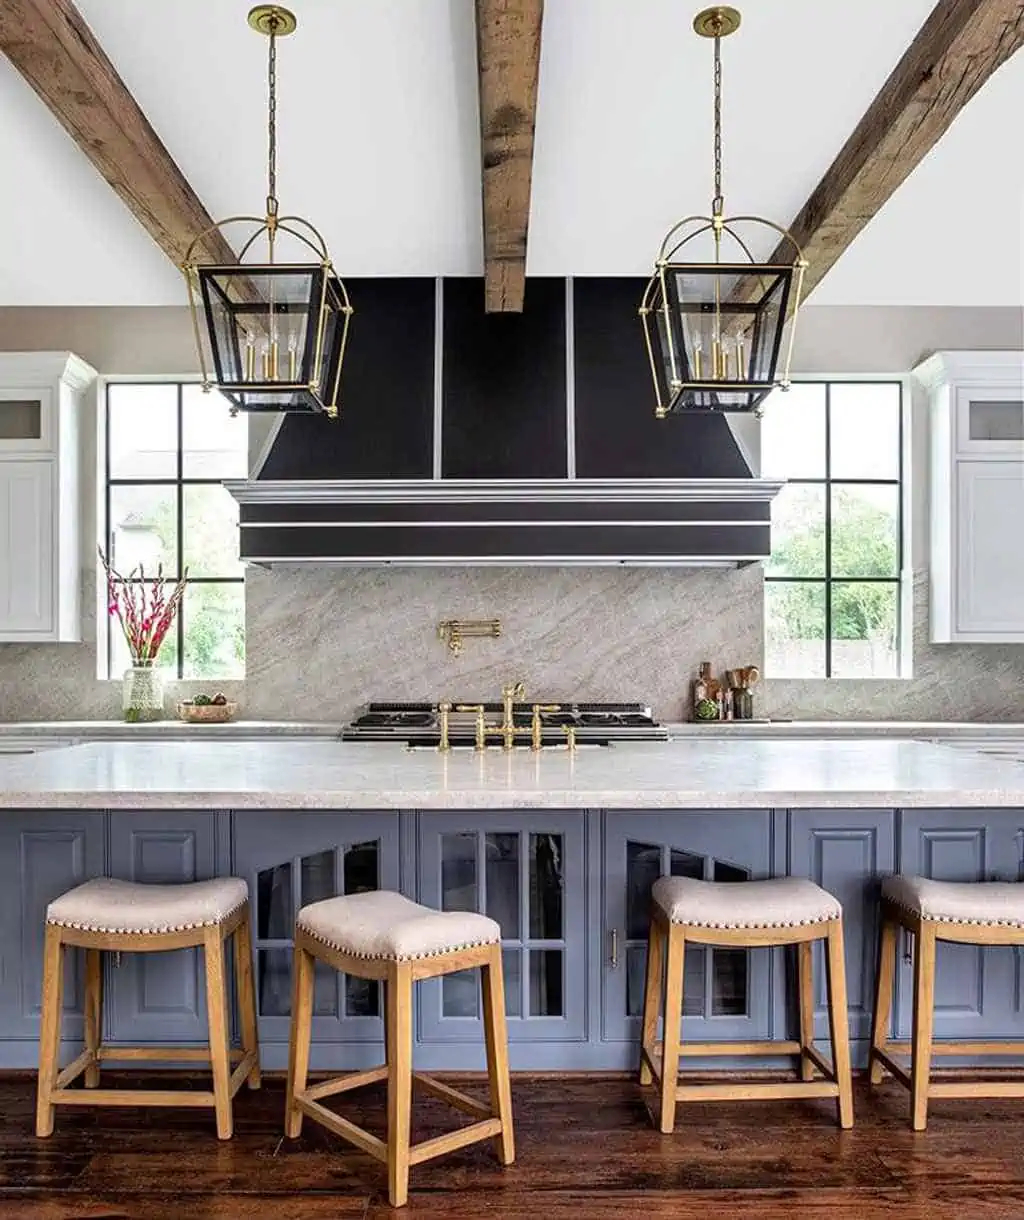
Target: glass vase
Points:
x,y
142,693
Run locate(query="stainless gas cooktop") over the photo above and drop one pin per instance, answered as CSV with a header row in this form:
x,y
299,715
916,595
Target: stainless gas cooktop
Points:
x,y
419,723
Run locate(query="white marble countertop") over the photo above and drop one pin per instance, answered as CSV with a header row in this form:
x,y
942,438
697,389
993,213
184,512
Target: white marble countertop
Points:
x,y
712,773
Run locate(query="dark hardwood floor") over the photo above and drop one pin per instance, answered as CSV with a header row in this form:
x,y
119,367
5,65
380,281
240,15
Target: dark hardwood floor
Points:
x,y
586,1151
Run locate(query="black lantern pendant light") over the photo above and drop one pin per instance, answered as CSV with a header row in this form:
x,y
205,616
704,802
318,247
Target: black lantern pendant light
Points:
x,y
714,328
275,330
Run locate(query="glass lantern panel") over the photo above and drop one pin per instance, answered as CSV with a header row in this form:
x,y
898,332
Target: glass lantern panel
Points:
x,y
724,325
262,324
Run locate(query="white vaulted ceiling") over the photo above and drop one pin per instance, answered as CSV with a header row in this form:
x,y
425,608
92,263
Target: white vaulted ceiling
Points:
x,y
379,143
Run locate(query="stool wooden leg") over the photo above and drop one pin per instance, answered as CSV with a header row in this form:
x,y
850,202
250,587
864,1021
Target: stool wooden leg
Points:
x,y
496,1036
805,998
217,1015
673,1009
49,1034
246,990
93,1012
653,982
839,1022
924,1016
883,994
399,1027
300,1037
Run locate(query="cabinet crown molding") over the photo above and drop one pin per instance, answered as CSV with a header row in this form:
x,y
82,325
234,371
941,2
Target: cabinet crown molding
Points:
x,y
989,367
34,368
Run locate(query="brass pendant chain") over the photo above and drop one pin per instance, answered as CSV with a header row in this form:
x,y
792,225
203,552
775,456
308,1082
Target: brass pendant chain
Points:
x,y
718,204
272,137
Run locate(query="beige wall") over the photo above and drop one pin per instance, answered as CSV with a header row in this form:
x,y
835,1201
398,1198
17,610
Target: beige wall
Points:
x,y
322,641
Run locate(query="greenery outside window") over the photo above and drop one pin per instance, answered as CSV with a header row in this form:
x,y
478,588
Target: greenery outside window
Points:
x,y
833,586
168,446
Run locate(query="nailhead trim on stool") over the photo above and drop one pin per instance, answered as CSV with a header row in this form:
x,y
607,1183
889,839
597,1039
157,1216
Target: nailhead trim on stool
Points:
x,y
992,903
108,905
781,902
384,926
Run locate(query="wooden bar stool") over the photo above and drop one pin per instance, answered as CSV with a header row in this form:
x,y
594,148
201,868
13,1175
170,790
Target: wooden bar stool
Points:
x,y
784,911
128,918
381,935
967,913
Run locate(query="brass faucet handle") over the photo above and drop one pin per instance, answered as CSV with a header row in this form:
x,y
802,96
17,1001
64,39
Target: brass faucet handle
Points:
x,y
514,691
444,709
481,724
570,735
535,727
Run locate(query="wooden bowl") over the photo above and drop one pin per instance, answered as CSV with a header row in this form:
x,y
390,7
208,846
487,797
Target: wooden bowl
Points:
x,y
206,713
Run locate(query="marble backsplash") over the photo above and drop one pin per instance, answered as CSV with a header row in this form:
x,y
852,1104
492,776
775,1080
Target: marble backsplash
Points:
x,y
321,642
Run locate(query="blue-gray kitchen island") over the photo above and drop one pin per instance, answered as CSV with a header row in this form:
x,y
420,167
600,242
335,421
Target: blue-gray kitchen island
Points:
x,y
561,849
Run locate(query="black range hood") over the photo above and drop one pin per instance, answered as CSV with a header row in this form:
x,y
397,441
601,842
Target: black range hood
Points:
x,y
524,439
664,522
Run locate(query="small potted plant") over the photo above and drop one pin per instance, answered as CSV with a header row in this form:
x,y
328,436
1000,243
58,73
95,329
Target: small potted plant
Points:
x,y
145,609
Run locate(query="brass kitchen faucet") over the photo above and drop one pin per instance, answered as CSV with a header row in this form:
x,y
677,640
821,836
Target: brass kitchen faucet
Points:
x,y
508,731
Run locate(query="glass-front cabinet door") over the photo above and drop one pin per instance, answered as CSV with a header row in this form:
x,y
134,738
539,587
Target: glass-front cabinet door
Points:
x,y
289,861
525,871
725,990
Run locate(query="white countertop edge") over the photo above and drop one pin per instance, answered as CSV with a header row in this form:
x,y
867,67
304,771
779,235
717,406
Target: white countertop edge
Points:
x,y
395,800
99,730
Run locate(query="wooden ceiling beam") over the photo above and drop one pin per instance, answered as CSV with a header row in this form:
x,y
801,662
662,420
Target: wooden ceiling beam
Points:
x,y
961,44
51,45
508,63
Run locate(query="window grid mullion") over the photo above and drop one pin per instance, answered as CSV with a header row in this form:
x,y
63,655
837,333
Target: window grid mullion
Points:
x,y
180,549
178,482
828,530
828,578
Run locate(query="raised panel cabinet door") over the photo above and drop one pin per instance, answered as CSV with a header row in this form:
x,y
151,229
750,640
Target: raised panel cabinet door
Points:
x,y
846,852
989,563
42,855
290,860
526,871
159,997
27,550
726,992
977,990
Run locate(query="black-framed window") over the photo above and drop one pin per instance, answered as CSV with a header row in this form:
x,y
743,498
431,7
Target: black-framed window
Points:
x,y
833,586
167,448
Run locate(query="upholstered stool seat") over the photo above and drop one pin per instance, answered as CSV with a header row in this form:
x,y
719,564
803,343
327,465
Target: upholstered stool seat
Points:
x,y
109,905
382,935
781,911
782,902
388,926
126,917
973,913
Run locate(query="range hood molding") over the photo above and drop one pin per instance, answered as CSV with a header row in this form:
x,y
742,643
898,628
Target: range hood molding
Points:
x,y
506,522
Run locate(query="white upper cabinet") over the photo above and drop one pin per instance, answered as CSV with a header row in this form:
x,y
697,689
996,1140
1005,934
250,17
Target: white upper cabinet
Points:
x,y
977,496
42,396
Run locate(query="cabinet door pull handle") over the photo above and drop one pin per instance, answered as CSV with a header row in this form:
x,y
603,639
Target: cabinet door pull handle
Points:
x,y
614,961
